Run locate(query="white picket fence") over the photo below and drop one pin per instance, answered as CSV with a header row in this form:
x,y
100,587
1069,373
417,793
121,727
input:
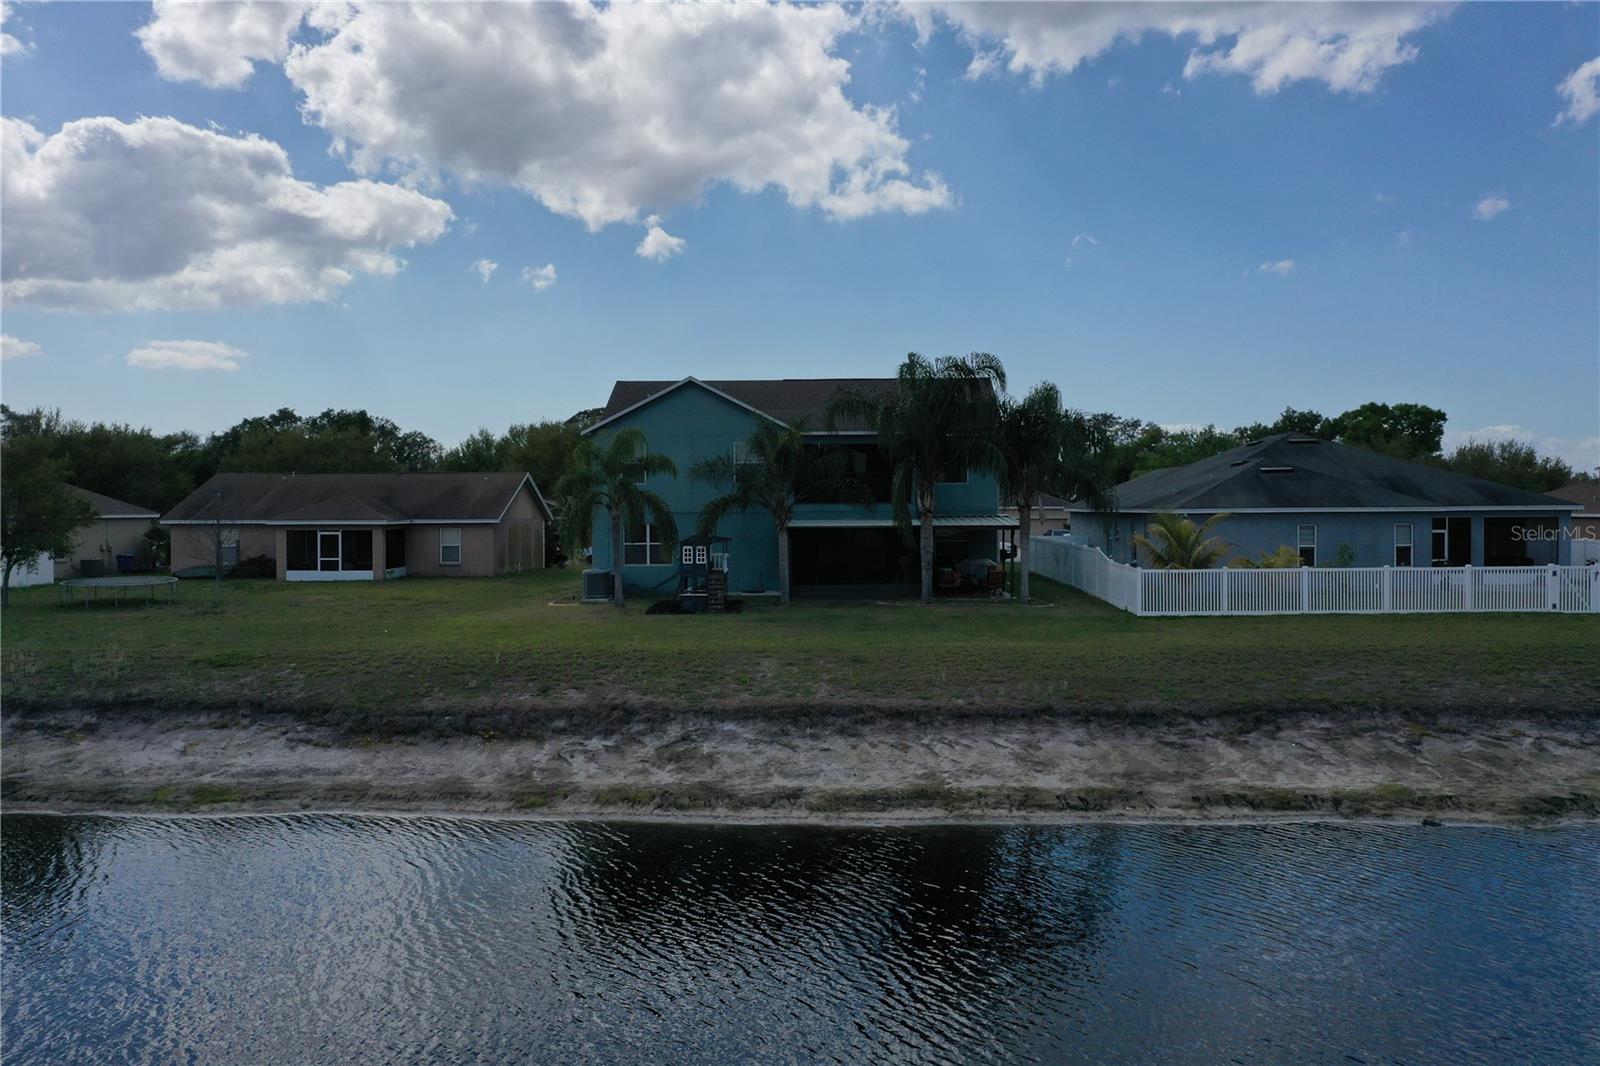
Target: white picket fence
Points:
x,y
1308,590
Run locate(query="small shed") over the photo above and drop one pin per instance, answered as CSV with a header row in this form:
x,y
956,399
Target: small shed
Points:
x,y
703,573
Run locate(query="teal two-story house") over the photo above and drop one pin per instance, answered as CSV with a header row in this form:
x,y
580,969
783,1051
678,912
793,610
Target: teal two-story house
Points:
x,y
835,548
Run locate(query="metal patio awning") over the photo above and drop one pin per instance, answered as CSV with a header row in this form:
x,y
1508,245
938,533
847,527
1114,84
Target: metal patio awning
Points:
x,y
941,521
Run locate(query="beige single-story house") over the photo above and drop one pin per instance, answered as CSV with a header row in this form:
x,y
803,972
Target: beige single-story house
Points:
x,y
364,527
118,529
1048,513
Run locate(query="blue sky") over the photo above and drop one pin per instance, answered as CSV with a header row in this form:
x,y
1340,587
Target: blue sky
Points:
x,y
1351,156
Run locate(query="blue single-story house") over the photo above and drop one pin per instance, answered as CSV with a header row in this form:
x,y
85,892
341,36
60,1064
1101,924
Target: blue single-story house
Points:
x,y
835,549
1339,505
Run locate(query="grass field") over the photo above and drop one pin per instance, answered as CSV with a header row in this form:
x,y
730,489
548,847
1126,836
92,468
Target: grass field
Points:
x,y
438,643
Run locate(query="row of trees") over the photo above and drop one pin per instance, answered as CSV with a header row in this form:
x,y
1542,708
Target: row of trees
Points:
x,y
1404,430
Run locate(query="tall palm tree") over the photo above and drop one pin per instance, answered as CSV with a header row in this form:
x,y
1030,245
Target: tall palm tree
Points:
x,y
607,476
1033,436
780,470
1176,543
941,417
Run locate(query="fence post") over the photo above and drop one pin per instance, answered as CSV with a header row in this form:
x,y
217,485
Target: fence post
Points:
x,y
1305,590
1594,586
1552,588
1387,599
1136,601
1225,584
1466,587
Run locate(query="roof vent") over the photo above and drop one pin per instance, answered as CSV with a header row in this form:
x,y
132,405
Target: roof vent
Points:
x,y
1239,462
1277,469
1304,440
1256,441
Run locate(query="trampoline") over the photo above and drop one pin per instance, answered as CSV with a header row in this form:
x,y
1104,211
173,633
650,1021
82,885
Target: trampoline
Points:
x,y
137,587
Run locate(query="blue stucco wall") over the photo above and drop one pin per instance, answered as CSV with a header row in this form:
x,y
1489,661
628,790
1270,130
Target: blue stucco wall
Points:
x,y
1370,535
691,424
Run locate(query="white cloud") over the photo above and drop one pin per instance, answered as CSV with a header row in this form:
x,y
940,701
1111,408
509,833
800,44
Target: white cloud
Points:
x,y
1084,239
1281,267
1582,90
485,269
186,355
1491,205
1383,199
1346,46
1405,237
9,45
603,113
15,348
658,244
218,44
1581,453
541,278
156,214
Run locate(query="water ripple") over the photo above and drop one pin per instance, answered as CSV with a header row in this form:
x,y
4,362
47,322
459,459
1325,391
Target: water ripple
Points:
x,y
321,939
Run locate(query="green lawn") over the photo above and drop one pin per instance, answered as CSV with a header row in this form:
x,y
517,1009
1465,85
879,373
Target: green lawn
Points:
x,y
420,644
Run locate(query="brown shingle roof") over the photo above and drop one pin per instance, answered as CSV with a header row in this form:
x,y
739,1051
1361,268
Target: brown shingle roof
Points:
x,y
786,399
110,507
351,498
1586,493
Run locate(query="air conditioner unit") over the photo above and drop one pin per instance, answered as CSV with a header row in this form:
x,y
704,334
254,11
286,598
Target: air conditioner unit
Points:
x,y
596,585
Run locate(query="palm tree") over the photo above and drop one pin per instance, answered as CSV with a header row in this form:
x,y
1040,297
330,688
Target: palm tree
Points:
x,y
608,476
1176,543
1032,439
780,470
1285,558
942,417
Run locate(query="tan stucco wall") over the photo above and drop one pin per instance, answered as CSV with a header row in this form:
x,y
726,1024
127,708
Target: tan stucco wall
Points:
x,y
195,546
124,535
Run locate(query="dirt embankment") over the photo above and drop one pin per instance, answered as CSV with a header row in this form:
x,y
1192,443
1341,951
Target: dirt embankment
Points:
x,y
804,763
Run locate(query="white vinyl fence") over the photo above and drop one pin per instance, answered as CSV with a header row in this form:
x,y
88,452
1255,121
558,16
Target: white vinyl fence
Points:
x,y
1308,590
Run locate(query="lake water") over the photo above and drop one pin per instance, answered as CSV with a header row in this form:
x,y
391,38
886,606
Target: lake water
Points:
x,y
324,939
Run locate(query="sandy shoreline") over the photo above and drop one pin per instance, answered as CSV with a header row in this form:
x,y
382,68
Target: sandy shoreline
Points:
x,y
833,766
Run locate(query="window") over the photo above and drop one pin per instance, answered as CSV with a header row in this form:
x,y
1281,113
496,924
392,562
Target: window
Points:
x,y
230,547
742,455
953,475
1306,541
355,551
1441,541
450,546
1402,544
302,548
642,546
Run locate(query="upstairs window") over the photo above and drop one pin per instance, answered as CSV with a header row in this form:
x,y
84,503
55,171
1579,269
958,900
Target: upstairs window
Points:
x,y
742,456
1306,541
450,546
1402,544
1441,541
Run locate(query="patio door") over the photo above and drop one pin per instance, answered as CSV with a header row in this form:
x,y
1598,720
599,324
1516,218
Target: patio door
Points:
x,y
328,550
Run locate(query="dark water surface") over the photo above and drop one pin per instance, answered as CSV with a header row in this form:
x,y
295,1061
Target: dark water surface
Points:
x,y
322,939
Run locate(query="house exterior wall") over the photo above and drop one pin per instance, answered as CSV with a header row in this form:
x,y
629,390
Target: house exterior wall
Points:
x,y
1370,535
691,424
194,546
104,539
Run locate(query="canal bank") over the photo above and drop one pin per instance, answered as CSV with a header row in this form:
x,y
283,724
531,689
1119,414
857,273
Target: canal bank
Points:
x,y
792,763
